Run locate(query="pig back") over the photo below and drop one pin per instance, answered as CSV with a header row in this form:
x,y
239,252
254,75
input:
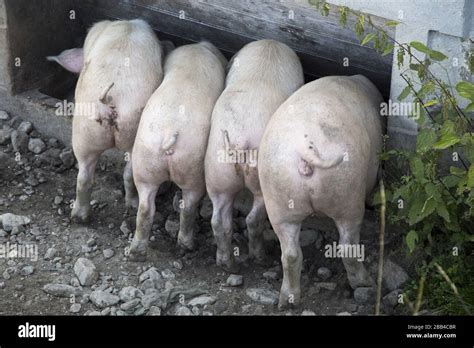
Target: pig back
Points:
x,y
336,118
122,68
262,75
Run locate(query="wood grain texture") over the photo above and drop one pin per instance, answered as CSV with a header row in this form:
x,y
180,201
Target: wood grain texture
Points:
x,y
320,41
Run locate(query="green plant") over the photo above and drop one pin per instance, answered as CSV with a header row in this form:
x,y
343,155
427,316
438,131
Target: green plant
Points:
x,y
434,201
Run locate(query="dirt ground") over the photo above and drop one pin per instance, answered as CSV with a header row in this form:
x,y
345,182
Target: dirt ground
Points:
x,y
41,186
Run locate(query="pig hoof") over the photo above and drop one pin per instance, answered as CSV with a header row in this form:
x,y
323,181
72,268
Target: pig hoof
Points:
x,y
186,245
80,216
138,251
230,266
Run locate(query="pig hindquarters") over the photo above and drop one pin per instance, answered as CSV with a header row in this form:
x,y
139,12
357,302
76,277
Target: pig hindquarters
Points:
x,y
172,137
262,75
319,154
120,67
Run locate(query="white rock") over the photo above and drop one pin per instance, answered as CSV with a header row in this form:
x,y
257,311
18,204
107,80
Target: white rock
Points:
x,y
308,313
59,290
168,274
263,296
108,253
85,271
178,264
270,275
183,310
129,305
103,299
235,280
50,254
9,221
26,127
75,308
154,311
4,115
394,276
202,300
129,293
36,145
152,298
27,270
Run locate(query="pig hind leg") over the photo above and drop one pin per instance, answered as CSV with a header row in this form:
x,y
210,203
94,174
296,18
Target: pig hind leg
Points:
x,y
255,225
222,227
85,180
349,234
188,217
131,193
292,259
146,211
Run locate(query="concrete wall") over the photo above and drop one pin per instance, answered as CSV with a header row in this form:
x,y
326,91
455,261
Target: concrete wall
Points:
x,y
5,82
441,25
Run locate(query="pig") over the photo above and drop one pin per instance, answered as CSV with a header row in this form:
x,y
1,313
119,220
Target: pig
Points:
x,y
120,67
172,138
319,155
262,75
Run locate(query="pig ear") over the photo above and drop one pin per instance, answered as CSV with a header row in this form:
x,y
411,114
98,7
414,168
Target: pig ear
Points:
x,y
71,60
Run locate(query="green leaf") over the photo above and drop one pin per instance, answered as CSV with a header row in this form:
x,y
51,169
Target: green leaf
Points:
x,y
466,90
457,171
419,47
470,177
417,167
415,209
391,23
432,190
450,180
368,38
387,50
448,136
426,88
470,108
428,207
443,211
400,55
411,239
431,102
446,141
425,139
438,56
406,91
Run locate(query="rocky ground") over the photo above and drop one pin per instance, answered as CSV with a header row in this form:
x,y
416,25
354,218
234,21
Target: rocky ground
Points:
x,y
83,270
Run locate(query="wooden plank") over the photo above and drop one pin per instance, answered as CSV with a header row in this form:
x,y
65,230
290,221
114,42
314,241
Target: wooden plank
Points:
x,y
319,41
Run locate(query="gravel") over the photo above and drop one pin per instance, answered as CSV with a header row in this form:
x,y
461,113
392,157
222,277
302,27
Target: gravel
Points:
x,y
263,296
